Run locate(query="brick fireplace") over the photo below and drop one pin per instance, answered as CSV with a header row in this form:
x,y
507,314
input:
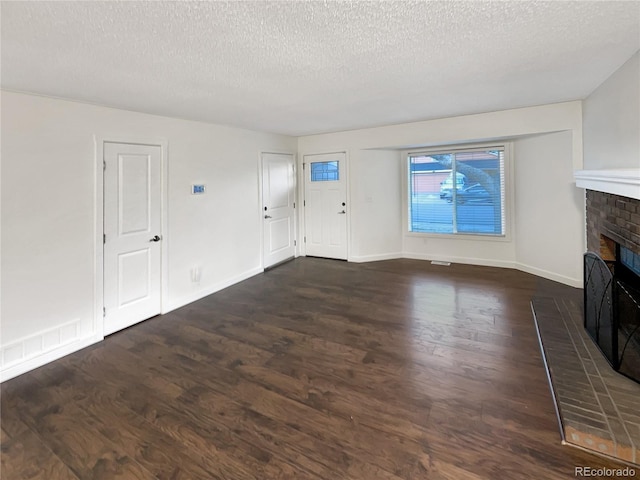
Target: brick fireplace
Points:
x,y
614,217
597,407
612,279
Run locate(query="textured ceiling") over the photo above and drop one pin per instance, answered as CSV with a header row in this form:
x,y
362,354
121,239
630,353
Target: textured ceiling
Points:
x,y
309,67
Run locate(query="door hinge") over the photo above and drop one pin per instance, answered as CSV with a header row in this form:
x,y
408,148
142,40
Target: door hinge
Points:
x,y
303,166
104,165
305,239
104,238
294,204
304,203
295,243
104,312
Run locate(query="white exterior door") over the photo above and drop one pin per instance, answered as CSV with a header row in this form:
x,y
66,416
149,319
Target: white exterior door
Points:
x,y
325,206
132,228
278,208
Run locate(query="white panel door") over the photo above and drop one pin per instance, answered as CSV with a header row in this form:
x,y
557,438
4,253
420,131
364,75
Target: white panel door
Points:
x,y
132,228
278,196
325,207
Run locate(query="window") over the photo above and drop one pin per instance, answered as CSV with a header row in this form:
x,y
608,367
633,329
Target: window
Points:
x,y
457,192
324,171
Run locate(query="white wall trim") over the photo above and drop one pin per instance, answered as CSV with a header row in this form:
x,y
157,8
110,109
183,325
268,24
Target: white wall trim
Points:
x,y
298,204
98,232
349,202
484,262
623,181
193,297
99,141
573,282
300,172
48,345
261,203
302,195
509,194
556,277
375,258
43,347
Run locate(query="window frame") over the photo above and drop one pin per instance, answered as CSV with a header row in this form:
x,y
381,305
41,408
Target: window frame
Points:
x,y
507,148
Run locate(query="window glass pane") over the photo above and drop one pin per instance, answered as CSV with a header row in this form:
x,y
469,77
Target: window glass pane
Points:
x,y
428,178
479,203
459,192
324,171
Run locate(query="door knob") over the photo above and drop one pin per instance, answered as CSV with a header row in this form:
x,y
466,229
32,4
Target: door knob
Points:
x,y
157,238
267,216
342,212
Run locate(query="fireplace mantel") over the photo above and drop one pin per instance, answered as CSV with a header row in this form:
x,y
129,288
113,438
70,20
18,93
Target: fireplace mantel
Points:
x,y
624,182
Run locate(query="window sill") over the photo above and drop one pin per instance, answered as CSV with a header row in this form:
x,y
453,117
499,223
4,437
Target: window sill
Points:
x,y
460,236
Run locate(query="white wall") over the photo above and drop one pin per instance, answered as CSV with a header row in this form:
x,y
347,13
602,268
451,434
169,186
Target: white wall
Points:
x,y
611,116
376,227
550,209
467,128
372,240
48,211
48,216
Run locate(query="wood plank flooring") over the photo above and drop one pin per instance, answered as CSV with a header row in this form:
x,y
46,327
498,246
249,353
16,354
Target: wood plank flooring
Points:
x,y
317,369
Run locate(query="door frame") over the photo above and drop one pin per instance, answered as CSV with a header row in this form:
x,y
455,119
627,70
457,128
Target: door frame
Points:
x,y
99,142
302,196
296,191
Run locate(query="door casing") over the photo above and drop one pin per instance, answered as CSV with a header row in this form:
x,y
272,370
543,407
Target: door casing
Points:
x,y
99,142
305,158
263,232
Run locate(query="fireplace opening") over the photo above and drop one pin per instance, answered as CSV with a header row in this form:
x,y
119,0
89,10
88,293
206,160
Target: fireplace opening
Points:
x,y
612,305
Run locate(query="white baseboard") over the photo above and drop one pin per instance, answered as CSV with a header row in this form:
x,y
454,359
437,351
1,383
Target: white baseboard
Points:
x,y
39,343
31,360
193,297
556,277
36,350
484,262
375,258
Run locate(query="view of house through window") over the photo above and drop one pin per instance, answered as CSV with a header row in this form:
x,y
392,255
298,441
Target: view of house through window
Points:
x,y
457,192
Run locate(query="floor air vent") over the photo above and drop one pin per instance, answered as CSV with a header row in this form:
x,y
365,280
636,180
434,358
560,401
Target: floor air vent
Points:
x,y
438,262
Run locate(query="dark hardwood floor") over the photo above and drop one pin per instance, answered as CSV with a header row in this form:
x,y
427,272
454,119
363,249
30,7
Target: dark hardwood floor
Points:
x,y
317,369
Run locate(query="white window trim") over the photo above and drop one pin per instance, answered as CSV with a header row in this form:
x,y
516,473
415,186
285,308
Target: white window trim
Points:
x,y
508,192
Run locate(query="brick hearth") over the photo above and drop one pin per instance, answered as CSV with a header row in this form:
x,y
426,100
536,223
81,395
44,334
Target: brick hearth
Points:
x,y
597,407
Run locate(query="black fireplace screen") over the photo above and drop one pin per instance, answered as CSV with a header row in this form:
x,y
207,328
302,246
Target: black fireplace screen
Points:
x,y
628,313
612,315
598,305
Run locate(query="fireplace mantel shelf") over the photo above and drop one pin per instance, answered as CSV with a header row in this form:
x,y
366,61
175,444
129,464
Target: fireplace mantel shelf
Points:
x,y
624,182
